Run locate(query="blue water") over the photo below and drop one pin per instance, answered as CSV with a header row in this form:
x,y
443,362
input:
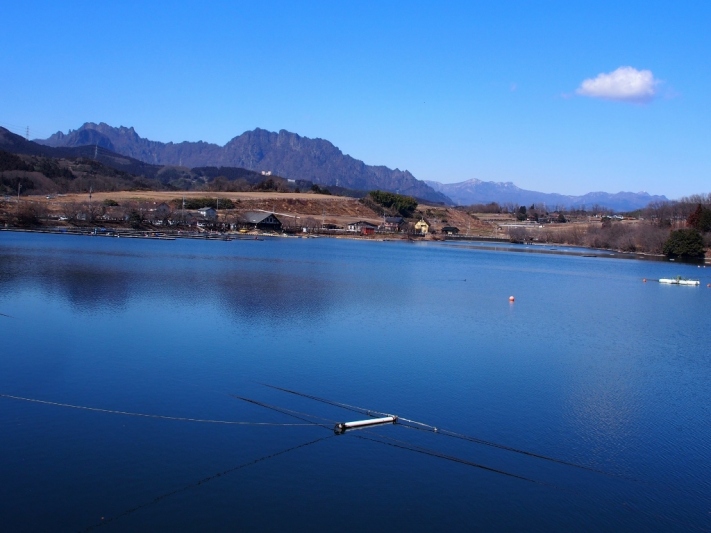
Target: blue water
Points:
x,y
589,365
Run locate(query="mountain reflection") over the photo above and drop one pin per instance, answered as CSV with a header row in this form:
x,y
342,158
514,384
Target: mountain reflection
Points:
x,y
245,288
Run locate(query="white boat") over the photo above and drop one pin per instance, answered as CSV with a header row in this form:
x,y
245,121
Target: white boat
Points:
x,y
680,281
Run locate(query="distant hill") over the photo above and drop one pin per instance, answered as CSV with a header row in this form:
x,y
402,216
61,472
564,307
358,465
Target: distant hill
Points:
x,y
47,169
284,153
17,144
481,192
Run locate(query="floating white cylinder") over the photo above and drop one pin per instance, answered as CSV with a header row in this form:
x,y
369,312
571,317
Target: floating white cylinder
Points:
x,y
360,424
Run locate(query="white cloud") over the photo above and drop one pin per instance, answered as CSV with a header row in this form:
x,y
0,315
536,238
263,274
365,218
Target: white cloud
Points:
x,y
626,84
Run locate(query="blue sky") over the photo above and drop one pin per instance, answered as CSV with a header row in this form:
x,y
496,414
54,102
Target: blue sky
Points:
x,y
450,91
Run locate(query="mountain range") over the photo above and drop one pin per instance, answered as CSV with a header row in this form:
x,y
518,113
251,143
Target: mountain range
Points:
x,y
16,144
482,192
41,169
317,160
284,153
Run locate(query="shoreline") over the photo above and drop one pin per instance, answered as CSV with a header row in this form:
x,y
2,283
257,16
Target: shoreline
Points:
x,y
474,243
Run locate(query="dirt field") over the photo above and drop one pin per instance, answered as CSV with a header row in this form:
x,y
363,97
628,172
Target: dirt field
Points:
x,y
327,209
334,209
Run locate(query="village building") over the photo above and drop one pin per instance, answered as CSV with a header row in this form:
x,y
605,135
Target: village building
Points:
x,y
163,210
261,220
362,227
160,215
208,213
450,230
393,224
422,227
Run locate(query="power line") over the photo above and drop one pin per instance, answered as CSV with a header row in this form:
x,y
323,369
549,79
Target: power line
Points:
x,y
23,130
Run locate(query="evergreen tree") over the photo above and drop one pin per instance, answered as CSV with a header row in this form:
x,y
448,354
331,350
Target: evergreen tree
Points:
x,y
684,243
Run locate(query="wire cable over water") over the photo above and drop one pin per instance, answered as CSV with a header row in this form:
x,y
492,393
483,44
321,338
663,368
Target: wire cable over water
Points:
x,y
361,410
413,424
158,499
411,447
476,440
394,442
144,415
295,414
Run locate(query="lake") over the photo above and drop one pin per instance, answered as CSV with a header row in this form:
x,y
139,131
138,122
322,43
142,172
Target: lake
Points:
x,y
606,376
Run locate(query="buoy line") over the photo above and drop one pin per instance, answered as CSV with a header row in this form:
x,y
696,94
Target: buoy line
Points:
x,y
158,499
144,415
433,453
413,424
476,440
419,449
396,443
353,408
295,414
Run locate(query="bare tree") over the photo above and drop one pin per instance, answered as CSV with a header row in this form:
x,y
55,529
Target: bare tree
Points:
x,y
94,210
71,210
518,234
651,238
310,223
573,235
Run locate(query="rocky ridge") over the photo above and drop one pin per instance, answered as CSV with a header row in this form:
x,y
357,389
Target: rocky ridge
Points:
x,y
284,153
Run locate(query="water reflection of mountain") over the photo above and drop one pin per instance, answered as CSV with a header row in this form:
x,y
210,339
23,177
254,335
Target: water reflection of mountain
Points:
x,y
246,288
84,286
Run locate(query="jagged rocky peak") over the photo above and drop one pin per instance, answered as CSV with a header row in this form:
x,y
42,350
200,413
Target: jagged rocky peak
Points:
x,y
285,153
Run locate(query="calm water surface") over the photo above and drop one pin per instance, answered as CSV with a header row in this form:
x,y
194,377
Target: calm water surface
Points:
x,y
589,365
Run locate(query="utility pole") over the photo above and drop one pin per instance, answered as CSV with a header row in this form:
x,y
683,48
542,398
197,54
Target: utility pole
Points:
x,y
27,133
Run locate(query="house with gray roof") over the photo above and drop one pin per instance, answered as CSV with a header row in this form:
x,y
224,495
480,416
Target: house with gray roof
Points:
x,y
393,224
208,212
262,220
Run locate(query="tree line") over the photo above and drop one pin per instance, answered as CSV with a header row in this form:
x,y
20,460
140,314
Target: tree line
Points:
x,y
391,203
679,228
